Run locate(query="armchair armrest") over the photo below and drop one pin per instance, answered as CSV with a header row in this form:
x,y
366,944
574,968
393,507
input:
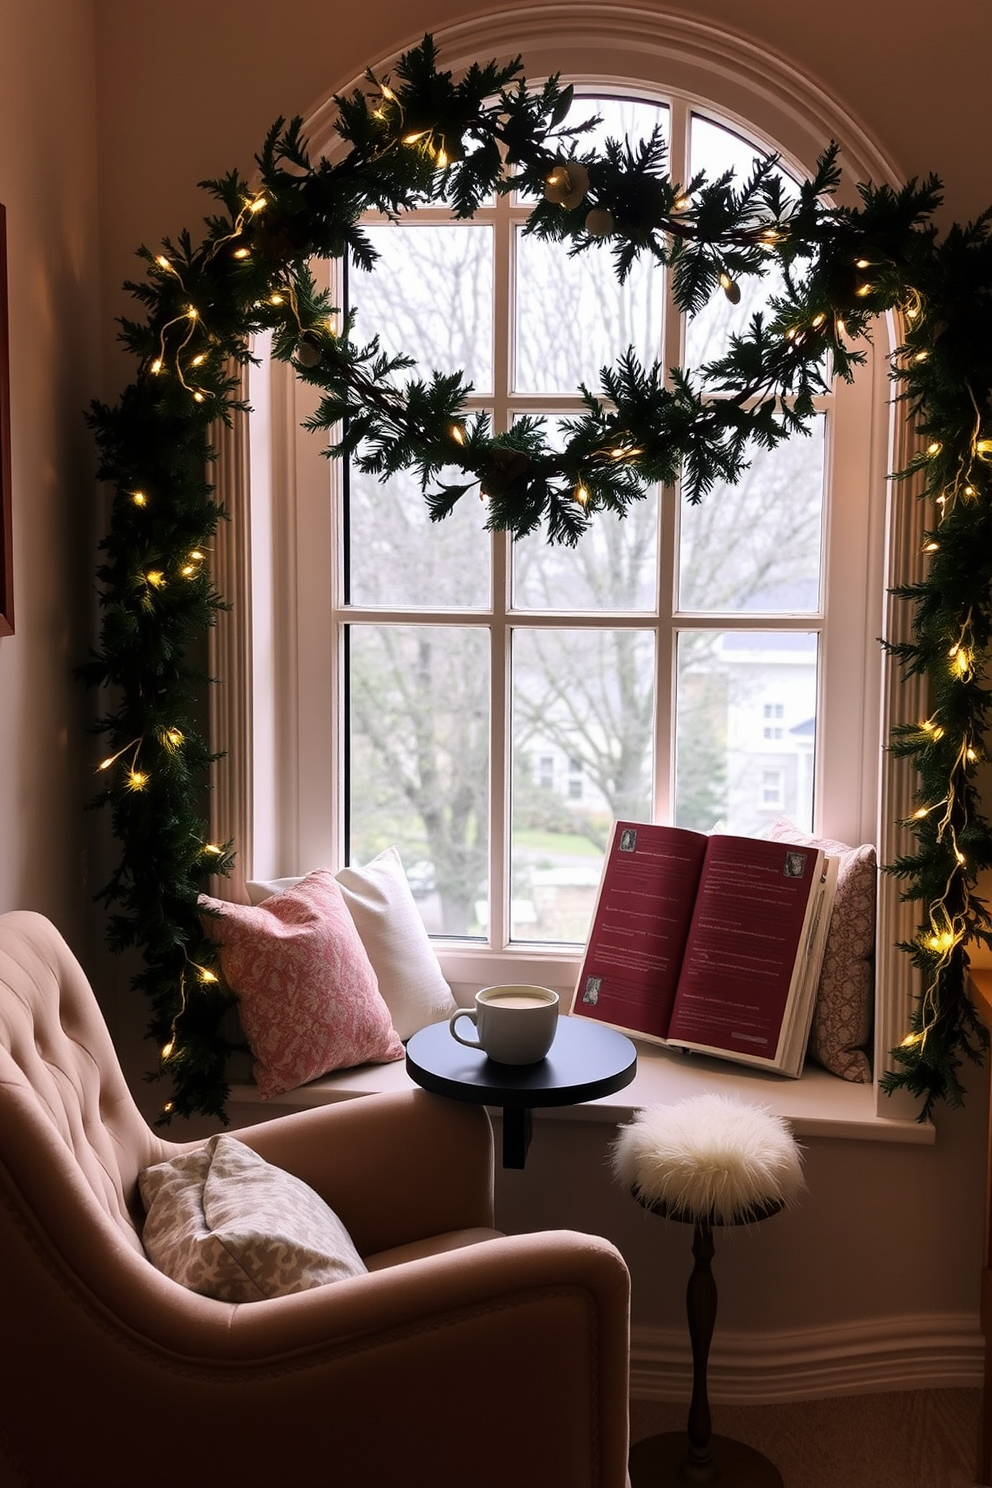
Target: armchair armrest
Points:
x,y
396,1168
503,1363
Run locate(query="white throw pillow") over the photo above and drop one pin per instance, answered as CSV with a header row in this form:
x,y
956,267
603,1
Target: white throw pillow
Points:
x,y
411,982
227,1224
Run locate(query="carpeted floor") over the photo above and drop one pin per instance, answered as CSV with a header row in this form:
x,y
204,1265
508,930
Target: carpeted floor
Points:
x,y
910,1439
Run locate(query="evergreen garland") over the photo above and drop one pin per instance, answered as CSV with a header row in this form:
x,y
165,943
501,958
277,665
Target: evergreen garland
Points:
x,y
406,140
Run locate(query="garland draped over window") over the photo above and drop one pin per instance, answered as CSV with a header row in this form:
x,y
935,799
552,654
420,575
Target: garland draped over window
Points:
x,y
406,140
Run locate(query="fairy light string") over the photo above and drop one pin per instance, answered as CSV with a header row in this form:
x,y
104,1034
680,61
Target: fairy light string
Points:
x,y
404,140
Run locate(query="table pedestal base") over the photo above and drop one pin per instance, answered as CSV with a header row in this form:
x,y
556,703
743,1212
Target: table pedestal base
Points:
x,y
517,1126
662,1462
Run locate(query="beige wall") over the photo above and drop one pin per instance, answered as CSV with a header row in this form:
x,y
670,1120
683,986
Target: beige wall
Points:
x,y
48,183
186,101
188,91
884,1232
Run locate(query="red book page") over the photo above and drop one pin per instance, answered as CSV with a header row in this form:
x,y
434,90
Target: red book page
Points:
x,y
741,953
638,935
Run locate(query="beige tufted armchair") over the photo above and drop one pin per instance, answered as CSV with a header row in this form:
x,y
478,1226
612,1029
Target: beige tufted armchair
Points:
x,y
465,1359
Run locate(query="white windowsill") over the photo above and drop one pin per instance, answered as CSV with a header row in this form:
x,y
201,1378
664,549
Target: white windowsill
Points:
x,y
818,1105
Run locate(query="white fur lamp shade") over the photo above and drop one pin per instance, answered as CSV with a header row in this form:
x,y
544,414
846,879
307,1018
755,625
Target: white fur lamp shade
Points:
x,y
712,1157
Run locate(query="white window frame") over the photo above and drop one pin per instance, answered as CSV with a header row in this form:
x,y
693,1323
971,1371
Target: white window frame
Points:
x,y
281,803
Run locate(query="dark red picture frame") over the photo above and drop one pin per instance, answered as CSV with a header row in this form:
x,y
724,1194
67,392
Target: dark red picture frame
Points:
x,y
6,541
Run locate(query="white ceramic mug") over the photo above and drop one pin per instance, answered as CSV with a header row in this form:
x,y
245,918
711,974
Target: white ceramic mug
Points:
x,y
516,1025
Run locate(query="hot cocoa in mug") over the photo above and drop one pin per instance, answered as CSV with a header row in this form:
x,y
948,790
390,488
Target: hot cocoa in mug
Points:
x,y
516,1025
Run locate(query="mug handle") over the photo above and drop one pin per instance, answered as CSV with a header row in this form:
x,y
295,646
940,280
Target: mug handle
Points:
x,y
464,1013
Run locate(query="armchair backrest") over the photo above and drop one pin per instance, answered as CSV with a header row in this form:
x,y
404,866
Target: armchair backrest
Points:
x,y
62,1092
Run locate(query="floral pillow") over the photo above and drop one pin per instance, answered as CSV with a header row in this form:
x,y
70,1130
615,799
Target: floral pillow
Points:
x,y
227,1224
309,999
842,1015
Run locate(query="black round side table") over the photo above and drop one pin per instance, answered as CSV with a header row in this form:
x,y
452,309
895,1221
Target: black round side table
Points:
x,y
585,1061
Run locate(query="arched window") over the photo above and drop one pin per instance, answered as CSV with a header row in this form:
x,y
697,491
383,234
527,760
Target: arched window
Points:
x,y
490,706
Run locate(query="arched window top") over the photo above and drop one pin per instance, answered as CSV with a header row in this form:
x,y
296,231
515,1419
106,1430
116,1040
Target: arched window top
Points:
x,y
738,81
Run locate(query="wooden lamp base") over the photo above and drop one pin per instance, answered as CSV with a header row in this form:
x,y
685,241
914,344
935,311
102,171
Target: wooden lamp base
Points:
x,y
664,1462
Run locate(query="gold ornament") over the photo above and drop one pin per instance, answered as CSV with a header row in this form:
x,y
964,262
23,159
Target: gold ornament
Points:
x,y
567,184
308,353
599,223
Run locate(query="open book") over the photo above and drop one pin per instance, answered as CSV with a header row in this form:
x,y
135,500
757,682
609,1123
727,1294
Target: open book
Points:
x,y
709,943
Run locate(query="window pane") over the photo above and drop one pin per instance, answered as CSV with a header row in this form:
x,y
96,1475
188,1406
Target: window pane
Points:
x,y
632,119
418,763
708,333
715,150
572,317
430,297
613,566
583,734
398,557
755,547
745,729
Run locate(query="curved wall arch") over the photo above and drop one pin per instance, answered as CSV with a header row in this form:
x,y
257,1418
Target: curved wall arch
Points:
x,y
743,83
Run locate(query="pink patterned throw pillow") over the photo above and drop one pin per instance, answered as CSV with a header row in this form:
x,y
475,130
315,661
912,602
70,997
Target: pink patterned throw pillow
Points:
x,y
309,998
842,1016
